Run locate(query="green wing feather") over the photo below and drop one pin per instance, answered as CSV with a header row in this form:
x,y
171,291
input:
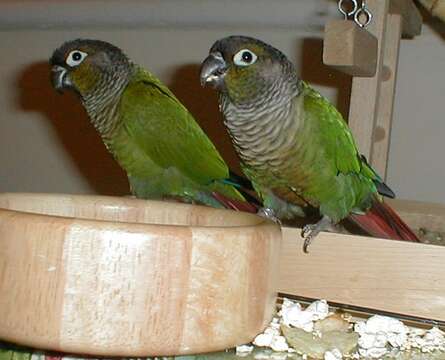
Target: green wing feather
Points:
x,y
346,182
166,138
337,137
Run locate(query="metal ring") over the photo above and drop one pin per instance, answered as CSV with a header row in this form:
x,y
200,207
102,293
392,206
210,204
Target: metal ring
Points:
x,y
367,13
345,13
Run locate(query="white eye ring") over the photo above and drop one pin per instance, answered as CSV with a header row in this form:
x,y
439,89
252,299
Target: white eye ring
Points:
x,y
244,57
75,57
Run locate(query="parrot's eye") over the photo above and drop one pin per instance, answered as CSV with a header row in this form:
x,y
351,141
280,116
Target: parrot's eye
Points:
x,y
75,57
244,57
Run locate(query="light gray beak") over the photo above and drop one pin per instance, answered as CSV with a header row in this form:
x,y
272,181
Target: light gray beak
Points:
x,y
59,78
213,70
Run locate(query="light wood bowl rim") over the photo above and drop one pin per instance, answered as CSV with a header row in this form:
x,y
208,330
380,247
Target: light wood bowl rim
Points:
x,y
252,220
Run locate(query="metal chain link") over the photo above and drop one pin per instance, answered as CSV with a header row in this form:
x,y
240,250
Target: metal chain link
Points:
x,y
360,14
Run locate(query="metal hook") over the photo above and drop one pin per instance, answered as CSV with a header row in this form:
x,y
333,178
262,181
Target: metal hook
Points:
x,y
344,12
363,10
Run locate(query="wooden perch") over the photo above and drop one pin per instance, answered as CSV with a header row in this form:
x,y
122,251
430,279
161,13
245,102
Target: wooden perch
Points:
x,y
412,19
365,91
435,7
385,275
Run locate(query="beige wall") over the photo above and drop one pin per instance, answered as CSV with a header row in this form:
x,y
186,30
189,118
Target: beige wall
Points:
x,y
47,144
416,166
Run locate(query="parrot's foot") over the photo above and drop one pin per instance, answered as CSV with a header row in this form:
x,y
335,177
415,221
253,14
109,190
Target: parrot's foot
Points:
x,y
282,209
268,213
310,231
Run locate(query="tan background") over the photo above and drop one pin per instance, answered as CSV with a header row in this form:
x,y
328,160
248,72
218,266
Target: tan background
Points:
x,y
48,145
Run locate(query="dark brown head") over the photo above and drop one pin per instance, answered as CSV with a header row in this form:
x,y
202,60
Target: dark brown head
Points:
x,y
84,65
244,68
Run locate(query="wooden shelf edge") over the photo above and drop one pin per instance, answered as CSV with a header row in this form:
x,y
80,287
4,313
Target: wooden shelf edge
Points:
x,y
387,275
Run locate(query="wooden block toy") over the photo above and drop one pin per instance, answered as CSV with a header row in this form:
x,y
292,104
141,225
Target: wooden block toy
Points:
x,y
349,48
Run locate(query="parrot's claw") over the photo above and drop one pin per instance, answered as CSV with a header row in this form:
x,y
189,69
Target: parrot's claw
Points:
x,y
268,213
307,229
310,231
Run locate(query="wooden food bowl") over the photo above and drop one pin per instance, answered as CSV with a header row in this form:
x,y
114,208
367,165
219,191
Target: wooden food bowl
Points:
x,y
124,277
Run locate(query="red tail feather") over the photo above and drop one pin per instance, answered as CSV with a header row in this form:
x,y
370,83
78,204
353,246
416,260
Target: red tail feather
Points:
x,y
235,204
382,221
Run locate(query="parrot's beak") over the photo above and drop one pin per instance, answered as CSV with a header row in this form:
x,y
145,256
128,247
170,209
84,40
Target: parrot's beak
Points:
x,y
59,78
213,70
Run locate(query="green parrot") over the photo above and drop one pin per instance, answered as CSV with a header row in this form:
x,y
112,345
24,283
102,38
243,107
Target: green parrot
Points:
x,y
149,132
293,144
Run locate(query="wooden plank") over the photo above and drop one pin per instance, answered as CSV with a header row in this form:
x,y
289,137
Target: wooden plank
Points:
x,y
382,131
412,19
386,275
349,48
365,91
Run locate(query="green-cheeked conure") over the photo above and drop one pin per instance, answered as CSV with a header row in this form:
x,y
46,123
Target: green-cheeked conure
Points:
x,y
149,132
293,144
